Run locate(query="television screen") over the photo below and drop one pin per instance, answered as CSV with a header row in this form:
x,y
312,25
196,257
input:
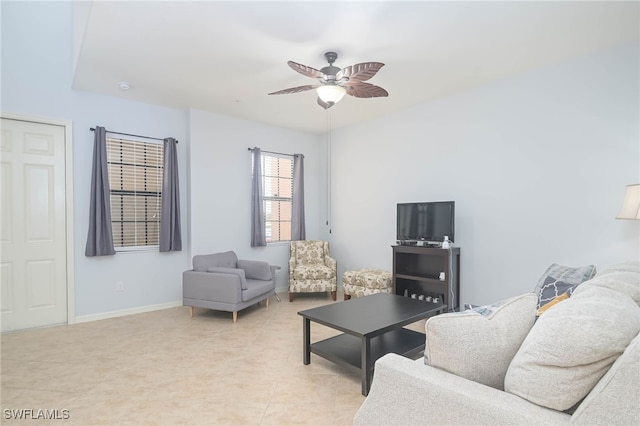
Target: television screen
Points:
x,y
426,221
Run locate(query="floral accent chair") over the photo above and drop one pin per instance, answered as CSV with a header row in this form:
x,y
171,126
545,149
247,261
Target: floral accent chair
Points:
x,y
311,268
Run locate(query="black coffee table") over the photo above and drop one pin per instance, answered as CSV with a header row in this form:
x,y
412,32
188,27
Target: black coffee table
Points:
x,y
372,327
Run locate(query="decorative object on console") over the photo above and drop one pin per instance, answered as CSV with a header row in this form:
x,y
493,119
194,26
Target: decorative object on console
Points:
x,y
311,268
445,242
631,203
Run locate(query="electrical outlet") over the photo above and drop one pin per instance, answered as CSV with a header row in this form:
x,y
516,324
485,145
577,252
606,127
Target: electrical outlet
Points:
x,y
120,286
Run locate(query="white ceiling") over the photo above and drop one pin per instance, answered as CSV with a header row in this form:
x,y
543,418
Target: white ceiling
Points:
x,y
225,57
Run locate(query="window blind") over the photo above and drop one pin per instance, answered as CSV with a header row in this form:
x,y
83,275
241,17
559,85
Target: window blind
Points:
x,y
278,191
135,180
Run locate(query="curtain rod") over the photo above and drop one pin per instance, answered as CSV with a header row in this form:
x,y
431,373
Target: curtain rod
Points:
x,y
278,153
129,134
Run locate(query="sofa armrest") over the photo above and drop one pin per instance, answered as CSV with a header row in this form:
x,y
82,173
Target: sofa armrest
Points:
x,y
408,392
256,269
205,285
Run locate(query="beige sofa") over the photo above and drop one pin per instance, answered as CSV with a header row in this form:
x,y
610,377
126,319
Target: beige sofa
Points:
x,y
578,363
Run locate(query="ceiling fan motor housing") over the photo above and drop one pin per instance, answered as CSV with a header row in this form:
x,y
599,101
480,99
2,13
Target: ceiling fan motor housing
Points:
x,y
330,71
331,57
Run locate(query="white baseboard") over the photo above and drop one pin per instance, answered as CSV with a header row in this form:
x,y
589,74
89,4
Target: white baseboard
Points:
x,y
125,312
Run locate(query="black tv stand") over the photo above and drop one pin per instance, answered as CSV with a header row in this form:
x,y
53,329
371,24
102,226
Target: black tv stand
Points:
x,y
417,270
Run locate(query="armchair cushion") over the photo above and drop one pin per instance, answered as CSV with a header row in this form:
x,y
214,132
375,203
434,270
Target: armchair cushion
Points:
x,y
572,346
313,272
233,271
227,259
256,269
310,252
479,344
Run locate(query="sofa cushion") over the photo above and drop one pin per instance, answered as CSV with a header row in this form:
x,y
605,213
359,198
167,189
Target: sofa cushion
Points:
x,y
557,279
630,266
256,269
478,344
614,400
626,282
233,271
572,346
226,259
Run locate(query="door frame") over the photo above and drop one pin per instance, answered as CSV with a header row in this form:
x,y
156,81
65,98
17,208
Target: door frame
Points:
x,y
68,171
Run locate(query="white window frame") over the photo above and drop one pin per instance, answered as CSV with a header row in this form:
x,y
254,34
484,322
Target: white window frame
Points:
x,y
267,199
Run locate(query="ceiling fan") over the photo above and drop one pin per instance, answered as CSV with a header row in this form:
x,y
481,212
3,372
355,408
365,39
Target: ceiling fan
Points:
x,y
333,82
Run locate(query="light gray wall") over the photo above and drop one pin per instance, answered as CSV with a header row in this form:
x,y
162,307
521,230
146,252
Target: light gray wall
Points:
x,y
36,81
537,166
220,186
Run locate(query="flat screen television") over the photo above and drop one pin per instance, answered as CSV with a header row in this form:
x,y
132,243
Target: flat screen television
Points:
x,y
430,221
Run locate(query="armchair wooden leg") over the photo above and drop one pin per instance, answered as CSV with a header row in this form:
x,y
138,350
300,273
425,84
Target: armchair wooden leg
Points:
x,y
235,317
267,303
191,308
291,297
333,295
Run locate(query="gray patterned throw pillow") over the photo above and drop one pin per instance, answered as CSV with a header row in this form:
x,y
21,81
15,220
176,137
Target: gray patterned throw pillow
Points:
x,y
559,279
553,288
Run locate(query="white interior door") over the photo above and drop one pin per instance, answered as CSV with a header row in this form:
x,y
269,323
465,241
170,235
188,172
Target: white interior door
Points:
x,y
33,275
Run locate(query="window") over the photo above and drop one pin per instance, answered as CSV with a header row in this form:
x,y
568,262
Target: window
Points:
x,y
277,184
135,182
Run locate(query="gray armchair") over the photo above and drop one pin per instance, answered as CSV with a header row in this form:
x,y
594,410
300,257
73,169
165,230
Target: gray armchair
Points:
x,y
222,282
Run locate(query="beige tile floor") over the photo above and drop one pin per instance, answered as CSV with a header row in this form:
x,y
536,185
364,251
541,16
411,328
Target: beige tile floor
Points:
x,y
166,368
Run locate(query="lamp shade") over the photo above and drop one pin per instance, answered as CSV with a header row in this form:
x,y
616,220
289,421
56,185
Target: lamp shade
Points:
x,y
330,93
631,204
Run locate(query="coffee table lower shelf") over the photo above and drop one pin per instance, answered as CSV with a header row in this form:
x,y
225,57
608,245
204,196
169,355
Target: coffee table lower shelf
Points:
x,y
346,350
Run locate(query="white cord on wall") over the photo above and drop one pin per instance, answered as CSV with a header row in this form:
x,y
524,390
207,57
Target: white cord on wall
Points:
x,y
329,170
452,297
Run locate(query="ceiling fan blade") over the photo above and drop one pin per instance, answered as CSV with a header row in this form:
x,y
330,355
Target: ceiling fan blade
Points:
x,y
305,70
325,105
359,89
295,89
360,72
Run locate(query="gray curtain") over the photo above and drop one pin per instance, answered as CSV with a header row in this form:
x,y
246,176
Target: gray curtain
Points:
x,y
258,237
170,234
297,215
100,237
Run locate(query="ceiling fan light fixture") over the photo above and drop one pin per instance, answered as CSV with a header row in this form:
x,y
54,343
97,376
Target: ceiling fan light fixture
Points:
x,y
330,93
